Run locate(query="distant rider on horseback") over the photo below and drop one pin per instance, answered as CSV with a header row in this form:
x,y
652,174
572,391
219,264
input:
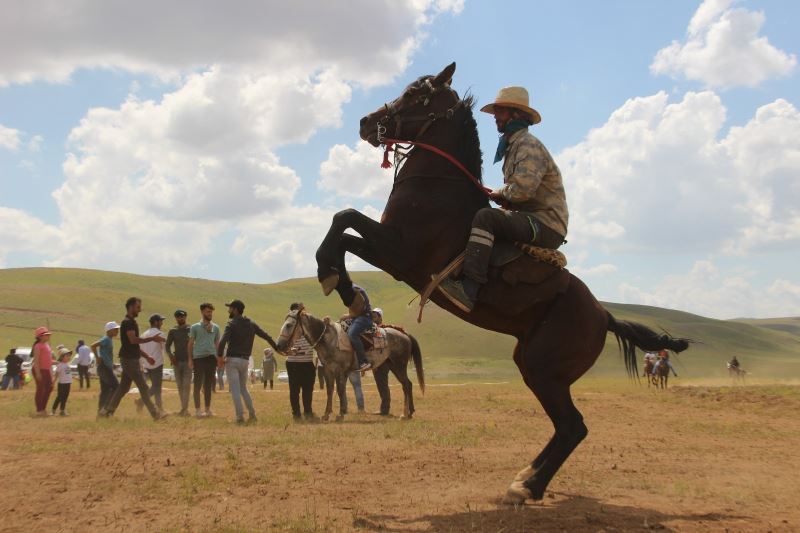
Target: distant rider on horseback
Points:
x,y
535,205
663,359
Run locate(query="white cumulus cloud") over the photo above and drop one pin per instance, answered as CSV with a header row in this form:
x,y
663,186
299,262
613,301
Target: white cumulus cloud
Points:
x,y
723,48
356,173
173,174
708,291
661,176
10,138
365,40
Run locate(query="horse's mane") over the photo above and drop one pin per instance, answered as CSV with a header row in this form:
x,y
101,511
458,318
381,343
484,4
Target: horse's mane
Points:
x,y
469,145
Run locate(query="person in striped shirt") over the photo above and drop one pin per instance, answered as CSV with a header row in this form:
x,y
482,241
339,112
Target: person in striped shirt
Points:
x,y
302,374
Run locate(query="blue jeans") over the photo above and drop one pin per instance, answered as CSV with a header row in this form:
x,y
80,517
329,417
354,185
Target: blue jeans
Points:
x,y
355,381
108,384
236,368
360,325
7,380
156,376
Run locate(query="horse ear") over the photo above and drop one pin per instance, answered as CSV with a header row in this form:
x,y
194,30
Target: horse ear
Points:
x,y
445,76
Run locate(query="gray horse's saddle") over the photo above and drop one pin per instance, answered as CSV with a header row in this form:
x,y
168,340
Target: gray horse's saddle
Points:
x,y
376,342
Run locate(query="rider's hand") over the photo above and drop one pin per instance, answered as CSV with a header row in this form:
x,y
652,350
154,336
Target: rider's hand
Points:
x,y
496,196
151,360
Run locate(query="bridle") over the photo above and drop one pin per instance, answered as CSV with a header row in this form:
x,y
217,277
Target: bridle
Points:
x,y
402,147
393,113
298,320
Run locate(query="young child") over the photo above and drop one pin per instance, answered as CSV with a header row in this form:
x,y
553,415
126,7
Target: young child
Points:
x,y
64,378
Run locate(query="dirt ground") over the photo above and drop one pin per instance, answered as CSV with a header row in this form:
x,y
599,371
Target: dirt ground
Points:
x,y
689,459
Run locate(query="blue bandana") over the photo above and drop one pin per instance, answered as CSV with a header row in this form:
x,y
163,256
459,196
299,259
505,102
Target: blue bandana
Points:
x,y
511,127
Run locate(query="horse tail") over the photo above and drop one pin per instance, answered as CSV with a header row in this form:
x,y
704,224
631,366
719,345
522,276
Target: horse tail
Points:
x,y
416,353
631,335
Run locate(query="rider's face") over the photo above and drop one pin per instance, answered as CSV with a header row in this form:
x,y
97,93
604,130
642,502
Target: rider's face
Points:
x,y
501,117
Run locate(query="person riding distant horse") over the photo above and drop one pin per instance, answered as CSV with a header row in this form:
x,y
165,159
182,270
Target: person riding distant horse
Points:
x,y
361,313
734,363
663,360
533,197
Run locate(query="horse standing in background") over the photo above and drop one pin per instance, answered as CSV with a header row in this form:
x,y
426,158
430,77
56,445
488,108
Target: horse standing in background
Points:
x,y
339,363
648,374
736,373
661,376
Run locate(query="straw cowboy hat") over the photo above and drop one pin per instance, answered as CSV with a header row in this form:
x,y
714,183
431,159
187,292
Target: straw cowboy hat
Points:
x,y
516,97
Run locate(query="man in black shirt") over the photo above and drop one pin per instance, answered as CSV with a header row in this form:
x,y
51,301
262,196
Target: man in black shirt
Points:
x,y
239,336
129,354
179,338
13,369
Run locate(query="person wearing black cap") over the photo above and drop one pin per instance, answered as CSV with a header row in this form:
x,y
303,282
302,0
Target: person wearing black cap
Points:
x,y
154,370
179,338
239,335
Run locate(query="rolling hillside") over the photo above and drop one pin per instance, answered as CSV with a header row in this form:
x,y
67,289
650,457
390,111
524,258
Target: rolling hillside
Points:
x,y
76,303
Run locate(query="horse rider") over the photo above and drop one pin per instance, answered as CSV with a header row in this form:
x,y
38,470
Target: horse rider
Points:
x,y
533,198
663,359
377,316
361,313
734,363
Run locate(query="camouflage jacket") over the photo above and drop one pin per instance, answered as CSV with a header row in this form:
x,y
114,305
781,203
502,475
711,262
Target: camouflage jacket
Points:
x,y
532,182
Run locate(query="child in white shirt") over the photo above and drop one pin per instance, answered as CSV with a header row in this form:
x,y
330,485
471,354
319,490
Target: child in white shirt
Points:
x,y
64,378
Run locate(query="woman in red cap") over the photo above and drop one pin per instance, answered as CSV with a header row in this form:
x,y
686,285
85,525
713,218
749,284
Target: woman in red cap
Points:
x,y
42,369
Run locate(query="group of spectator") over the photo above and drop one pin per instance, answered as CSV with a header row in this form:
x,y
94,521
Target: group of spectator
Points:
x,y
196,353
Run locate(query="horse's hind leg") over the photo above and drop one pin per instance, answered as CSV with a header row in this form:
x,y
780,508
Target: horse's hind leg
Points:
x,y
341,390
528,471
570,431
401,373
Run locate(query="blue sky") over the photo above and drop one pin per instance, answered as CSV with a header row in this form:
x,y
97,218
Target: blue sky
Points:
x,y
674,123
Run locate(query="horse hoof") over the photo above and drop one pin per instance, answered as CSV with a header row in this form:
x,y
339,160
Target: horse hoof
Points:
x,y
329,283
517,494
524,474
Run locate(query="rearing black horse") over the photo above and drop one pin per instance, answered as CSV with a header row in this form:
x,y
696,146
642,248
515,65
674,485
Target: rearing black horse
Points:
x,y
426,224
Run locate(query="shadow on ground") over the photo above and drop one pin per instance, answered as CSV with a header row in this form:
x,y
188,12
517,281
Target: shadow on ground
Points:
x,y
563,513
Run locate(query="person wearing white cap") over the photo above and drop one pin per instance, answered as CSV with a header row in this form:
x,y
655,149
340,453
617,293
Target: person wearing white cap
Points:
x,y
532,196
103,350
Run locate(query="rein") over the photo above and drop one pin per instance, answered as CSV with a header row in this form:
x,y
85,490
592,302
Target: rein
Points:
x,y
438,151
303,331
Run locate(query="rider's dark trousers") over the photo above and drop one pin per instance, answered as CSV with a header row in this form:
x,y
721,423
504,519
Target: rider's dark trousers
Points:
x,y
512,226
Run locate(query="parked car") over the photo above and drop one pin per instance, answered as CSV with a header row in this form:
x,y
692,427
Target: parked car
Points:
x,y
283,376
169,374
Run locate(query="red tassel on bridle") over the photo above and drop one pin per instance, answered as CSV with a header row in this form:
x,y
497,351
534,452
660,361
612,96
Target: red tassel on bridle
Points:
x,y
386,163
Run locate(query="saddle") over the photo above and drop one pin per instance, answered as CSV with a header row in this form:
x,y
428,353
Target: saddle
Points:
x,y
373,338
520,277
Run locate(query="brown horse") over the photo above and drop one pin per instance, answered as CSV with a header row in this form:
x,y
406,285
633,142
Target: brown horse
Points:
x,y
426,224
661,375
649,364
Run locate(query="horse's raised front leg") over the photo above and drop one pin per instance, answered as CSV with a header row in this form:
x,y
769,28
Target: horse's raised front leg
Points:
x,y
377,242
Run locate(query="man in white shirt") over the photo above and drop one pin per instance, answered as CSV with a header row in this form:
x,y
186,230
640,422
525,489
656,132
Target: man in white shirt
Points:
x,y
84,362
154,370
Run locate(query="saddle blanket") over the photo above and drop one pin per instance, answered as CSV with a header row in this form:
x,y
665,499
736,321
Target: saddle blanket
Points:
x,y
375,342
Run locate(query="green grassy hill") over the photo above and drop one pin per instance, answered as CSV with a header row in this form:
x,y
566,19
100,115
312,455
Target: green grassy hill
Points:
x,y
76,303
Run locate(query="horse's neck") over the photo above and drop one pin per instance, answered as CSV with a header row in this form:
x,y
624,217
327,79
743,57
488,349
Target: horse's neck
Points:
x,y
434,214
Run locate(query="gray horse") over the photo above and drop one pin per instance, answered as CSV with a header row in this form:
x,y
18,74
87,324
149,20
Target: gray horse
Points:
x,y
339,363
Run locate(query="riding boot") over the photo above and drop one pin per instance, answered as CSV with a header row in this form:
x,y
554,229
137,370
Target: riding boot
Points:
x,y
477,255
